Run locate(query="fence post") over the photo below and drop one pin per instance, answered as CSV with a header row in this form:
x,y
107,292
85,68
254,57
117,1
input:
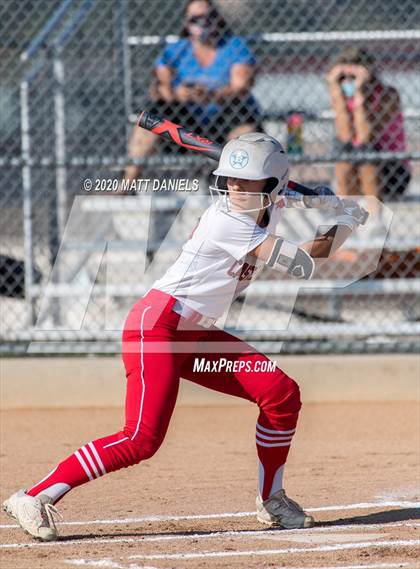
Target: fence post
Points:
x,y
27,201
60,142
125,59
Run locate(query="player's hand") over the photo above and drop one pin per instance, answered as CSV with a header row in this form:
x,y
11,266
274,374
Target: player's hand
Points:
x,y
325,199
350,213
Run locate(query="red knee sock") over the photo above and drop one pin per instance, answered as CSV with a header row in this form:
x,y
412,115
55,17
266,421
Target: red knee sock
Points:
x,y
89,462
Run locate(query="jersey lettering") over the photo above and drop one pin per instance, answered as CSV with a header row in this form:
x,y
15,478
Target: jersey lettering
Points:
x,y
241,271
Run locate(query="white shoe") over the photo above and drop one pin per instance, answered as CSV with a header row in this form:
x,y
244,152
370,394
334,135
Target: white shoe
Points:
x,y
279,510
34,515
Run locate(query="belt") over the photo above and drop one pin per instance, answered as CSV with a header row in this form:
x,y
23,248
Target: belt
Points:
x,y
192,315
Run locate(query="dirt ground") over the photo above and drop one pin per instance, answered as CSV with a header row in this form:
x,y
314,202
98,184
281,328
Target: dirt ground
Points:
x,y
353,465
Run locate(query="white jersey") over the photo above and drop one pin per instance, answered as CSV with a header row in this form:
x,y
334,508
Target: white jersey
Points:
x,y
213,268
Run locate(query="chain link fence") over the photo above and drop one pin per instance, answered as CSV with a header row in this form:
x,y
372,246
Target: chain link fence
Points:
x,y
336,82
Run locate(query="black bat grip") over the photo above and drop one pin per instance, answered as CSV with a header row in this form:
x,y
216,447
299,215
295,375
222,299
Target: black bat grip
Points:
x,y
148,120
301,189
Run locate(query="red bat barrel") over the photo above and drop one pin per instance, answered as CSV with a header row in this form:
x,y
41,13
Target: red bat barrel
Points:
x,y
180,135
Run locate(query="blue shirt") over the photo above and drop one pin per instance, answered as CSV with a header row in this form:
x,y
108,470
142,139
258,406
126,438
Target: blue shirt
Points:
x,y
180,57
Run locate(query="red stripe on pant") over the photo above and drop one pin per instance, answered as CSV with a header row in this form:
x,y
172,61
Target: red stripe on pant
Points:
x,y
153,377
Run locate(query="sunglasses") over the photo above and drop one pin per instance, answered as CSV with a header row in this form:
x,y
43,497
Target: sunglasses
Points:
x,y
347,78
204,18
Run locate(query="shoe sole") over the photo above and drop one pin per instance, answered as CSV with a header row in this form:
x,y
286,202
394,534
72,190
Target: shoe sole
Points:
x,y
267,522
35,537
308,523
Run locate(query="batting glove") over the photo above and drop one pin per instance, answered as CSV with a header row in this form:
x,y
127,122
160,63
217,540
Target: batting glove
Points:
x,y
350,214
324,199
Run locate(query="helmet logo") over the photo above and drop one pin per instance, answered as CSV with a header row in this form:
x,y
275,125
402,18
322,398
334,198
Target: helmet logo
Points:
x,y
238,159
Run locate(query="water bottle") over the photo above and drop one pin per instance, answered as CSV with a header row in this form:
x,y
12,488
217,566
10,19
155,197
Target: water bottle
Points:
x,y
295,133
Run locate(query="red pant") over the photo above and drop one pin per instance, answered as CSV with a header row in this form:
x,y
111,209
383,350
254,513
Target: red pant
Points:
x,y
158,349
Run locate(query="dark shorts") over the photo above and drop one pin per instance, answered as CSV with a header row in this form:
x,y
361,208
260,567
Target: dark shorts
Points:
x,y
217,126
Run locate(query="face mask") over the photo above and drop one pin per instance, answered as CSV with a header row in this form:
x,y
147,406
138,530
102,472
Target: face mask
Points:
x,y
203,24
348,88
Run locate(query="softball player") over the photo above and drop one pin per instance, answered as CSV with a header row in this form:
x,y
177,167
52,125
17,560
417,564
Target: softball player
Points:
x,y
173,325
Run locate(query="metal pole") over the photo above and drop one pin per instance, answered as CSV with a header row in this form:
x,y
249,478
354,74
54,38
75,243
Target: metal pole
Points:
x,y
60,201
125,63
58,222
60,143
27,201
49,27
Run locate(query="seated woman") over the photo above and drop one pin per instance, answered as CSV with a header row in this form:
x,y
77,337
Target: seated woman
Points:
x,y
368,117
202,81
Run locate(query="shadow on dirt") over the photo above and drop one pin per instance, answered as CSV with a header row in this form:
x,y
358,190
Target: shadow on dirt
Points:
x,y
386,517
389,516
158,535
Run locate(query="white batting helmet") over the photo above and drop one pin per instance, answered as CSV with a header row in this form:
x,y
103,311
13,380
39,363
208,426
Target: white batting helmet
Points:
x,y
254,156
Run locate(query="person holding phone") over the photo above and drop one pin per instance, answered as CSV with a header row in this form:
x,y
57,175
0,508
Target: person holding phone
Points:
x,y
368,118
202,81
